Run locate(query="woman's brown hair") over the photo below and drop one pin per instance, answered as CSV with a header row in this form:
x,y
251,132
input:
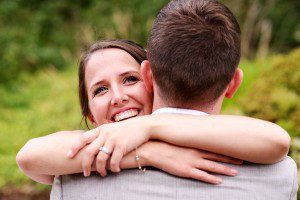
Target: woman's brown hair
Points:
x,y
134,49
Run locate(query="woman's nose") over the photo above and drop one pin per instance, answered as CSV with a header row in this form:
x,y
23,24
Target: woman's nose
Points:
x,y
119,98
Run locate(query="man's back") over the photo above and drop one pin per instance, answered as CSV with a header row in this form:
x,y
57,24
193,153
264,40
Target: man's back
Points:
x,y
278,181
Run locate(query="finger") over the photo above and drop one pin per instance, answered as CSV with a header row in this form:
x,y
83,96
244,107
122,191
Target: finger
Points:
x,y
84,139
91,135
222,158
89,155
215,167
204,176
102,158
94,132
116,158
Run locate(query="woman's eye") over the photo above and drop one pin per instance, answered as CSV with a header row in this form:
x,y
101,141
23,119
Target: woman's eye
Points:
x,y
131,79
100,90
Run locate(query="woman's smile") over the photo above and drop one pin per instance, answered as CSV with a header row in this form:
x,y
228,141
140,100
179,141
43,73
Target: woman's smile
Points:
x,y
126,114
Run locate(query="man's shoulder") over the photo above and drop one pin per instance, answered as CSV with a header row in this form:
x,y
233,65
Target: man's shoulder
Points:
x,y
286,166
283,172
289,166
276,181
286,162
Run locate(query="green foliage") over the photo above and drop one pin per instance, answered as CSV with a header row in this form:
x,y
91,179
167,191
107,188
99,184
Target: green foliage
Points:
x,y
35,35
32,107
38,34
284,16
251,70
295,154
275,95
267,25
295,150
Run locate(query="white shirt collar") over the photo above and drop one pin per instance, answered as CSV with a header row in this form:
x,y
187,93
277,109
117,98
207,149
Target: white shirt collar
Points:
x,y
169,110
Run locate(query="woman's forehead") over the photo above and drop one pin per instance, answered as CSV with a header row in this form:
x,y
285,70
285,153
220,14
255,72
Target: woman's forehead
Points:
x,y
111,57
107,63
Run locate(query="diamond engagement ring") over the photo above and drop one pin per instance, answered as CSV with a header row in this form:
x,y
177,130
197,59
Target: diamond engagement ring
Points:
x,y
104,150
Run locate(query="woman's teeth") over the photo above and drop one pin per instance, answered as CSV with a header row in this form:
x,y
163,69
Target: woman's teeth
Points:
x,y
125,115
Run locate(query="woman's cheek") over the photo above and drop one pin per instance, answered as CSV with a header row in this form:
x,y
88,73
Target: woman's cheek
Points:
x,y
99,110
146,98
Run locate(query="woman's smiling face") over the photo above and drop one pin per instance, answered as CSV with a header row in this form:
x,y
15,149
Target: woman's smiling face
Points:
x,y
114,87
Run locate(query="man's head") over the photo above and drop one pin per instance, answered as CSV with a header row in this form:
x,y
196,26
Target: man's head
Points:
x,y
194,51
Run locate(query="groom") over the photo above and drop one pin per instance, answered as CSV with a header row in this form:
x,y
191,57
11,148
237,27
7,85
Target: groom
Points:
x,y
193,51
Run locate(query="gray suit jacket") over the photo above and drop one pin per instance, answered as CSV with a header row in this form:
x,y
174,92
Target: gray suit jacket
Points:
x,y
269,182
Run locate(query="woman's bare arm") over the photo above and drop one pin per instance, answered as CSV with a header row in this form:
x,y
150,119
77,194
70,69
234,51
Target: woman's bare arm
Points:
x,y
42,158
245,138
240,137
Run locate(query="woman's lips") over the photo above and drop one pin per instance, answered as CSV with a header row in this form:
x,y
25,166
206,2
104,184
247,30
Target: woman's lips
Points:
x,y
126,114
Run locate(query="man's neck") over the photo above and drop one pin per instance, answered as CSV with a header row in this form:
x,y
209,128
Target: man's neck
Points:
x,y
214,108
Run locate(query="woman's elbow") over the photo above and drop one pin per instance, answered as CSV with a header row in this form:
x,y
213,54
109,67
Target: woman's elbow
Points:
x,y
25,158
284,144
281,146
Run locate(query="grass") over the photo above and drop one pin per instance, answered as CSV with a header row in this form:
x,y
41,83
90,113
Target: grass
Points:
x,y
31,107
251,70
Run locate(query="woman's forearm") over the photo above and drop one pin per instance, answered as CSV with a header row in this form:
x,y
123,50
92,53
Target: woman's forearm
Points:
x,y
43,158
47,155
240,137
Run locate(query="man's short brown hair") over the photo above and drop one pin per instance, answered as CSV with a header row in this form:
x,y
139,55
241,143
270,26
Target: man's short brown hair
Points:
x,y
194,50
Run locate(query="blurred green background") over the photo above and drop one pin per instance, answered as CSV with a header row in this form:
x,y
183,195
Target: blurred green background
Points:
x,y
41,42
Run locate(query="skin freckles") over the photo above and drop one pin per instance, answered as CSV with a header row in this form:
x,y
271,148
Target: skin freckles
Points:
x,y
115,86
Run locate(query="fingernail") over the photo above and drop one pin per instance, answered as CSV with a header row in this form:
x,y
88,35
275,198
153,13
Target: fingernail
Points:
x,y
86,173
70,154
117,170
103,174
218,181
234,172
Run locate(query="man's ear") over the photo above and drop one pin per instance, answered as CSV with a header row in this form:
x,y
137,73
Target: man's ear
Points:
x,y
234,83
147,76
92,120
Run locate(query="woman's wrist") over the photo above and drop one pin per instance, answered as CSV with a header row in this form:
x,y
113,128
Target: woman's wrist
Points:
x,y
148,125
153,124
145,152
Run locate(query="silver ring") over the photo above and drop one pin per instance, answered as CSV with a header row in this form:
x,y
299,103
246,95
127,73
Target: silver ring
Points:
x,y
104,150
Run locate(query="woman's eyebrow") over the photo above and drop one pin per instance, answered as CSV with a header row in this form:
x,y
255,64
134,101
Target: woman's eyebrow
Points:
x,y
95,84
129,72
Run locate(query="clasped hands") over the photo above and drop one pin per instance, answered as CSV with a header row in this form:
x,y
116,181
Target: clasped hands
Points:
x,y
120,139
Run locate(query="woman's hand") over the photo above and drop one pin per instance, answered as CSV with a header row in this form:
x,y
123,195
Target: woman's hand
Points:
x,y
187,162
117,138
190,163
